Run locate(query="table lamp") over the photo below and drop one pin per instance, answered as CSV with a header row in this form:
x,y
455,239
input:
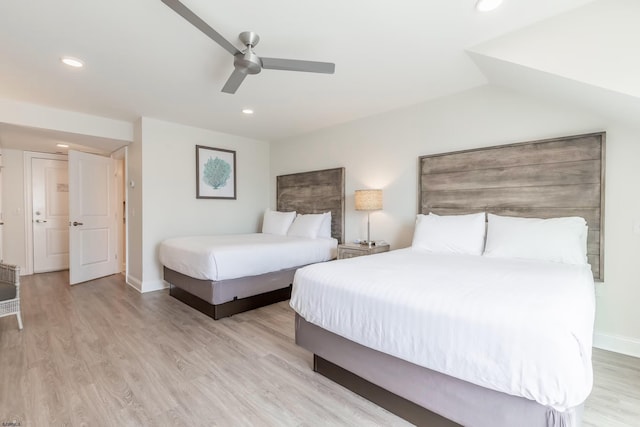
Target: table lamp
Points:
x,y
368,200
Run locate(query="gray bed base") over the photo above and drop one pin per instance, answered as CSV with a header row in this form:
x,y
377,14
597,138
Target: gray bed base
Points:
x,y
225,298
420,395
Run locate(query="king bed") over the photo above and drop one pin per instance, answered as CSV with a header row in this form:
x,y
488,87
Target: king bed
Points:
x,y
227,274
487,319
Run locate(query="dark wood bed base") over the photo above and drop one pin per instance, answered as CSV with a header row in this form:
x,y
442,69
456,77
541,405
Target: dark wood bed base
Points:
x,y
247,293
218,311
393,403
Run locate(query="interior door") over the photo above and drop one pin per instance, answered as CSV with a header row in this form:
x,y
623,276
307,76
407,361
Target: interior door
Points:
x,y
92,219
50,215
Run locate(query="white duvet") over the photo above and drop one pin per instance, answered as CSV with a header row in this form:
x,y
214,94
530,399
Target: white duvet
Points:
x,y
238,255
517,326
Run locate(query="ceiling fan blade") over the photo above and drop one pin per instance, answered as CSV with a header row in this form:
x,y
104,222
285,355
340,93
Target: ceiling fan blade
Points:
x,y
234,81
195,20
296,65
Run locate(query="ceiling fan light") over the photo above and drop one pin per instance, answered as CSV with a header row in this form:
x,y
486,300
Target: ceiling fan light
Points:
x,y
247,111
487,5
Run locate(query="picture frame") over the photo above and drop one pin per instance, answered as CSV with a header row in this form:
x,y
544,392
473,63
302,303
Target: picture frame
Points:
x,y
215,173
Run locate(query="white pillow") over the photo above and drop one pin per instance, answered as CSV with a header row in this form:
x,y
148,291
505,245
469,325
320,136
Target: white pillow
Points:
x,y
460,234
306,225
554,239
275,222
325,227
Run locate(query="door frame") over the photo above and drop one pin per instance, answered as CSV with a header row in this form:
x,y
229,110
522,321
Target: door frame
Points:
x,y
28,202
122,154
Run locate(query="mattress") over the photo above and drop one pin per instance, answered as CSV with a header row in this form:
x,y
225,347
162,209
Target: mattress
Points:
x,y
516,326
232,256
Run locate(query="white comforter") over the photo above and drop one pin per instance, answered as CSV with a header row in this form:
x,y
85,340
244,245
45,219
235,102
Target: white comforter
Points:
x,y
238,255
517,326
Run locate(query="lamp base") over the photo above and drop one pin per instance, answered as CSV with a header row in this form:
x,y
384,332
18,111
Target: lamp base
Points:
x,y
368,243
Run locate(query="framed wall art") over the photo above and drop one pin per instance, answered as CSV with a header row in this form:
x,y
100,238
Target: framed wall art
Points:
x,y
215,173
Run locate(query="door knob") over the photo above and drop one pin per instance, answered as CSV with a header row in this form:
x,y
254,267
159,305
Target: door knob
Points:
x,y
41,220
75,223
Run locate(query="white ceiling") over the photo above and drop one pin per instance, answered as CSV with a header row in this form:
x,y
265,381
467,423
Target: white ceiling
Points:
x,y
142,59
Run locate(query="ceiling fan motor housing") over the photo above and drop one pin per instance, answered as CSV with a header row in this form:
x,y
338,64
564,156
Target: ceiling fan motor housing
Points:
x,y
247,62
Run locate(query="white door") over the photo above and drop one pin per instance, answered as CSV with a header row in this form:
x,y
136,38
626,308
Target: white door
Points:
x,y
92,220
50,215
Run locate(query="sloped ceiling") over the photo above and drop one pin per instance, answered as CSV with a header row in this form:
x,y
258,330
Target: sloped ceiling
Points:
x,y
588,57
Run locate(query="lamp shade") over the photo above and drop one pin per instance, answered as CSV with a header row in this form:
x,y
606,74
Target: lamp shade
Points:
x,y
368,200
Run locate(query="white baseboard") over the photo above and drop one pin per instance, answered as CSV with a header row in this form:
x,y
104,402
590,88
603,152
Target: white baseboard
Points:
x,y
153,285
146,286
618,344
134,283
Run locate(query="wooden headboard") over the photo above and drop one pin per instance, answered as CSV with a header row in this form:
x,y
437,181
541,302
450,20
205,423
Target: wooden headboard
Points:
x,y
539,179
314,192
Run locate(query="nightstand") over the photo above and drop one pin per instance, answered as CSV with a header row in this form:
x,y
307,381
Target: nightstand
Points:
x,y
352,250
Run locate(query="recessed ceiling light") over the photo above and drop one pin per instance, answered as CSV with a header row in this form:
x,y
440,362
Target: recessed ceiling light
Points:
x,y
62,145
487,5
247,111
72,62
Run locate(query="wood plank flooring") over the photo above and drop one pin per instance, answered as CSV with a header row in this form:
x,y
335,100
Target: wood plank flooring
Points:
x,y
100,353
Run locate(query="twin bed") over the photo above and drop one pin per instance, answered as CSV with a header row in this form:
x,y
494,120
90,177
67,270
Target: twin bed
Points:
x,y
496,336
224,275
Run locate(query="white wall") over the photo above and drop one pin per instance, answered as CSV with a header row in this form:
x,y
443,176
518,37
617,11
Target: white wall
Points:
x,y
134,208
168,193
37,116
14,233
382,152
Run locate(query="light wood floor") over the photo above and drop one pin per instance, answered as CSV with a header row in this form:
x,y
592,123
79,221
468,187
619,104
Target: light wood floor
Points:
x,y
100,353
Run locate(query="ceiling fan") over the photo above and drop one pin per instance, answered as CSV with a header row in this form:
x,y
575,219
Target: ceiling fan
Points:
x,y
247,62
